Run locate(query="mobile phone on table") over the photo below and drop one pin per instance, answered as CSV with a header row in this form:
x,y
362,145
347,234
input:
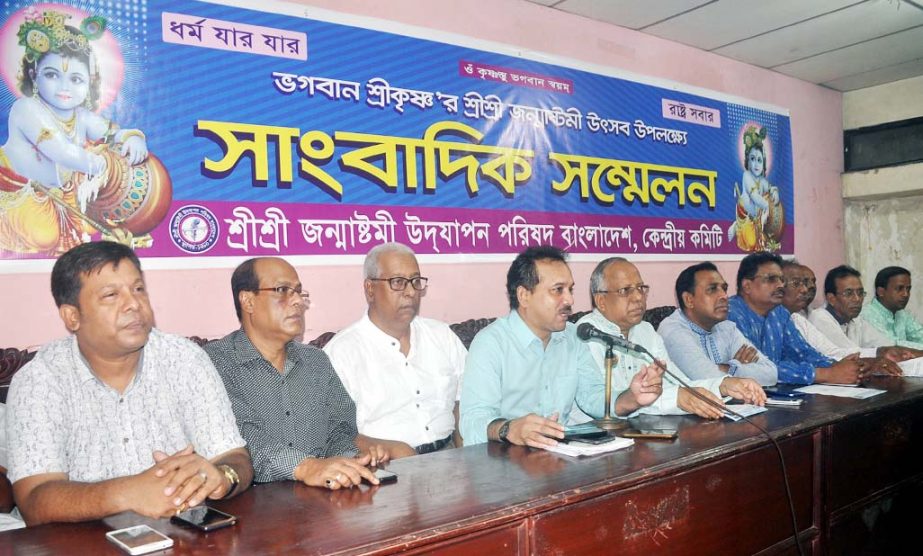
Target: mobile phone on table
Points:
x,y
658,434
782,393
139,539
384,476
204,518
584,432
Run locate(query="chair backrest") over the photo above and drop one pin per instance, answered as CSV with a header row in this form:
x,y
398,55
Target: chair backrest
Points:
x,y
11,360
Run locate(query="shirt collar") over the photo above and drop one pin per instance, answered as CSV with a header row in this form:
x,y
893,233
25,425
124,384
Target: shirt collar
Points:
x,y
695,327
245,351
834,315
742,305
882,310
379,335
600,321
85,373
524,335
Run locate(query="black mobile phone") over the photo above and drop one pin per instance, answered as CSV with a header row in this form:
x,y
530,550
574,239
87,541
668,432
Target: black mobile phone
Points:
x,y
204,518
584,432
384,476
783,393
658,434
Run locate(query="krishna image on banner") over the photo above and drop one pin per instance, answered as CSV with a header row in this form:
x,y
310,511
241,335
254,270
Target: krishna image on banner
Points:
x,y
760,219
68,173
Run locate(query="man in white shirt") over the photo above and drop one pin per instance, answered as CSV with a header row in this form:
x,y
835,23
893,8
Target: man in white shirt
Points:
x,y
838,321
800,290
619,297
403,371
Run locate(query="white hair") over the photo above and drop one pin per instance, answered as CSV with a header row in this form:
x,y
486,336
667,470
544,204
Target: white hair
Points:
x,y
370,267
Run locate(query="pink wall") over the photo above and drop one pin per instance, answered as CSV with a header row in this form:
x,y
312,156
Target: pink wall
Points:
x,y
199,302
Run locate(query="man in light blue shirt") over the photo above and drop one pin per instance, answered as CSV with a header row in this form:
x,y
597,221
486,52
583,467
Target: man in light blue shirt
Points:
x,y
888,313
700,338
526,370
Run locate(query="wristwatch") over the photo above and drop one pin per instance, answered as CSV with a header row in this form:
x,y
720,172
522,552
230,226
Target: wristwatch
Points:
x,y
231,474
504,430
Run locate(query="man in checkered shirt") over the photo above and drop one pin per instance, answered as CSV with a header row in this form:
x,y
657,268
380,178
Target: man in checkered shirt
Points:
x,y
298,420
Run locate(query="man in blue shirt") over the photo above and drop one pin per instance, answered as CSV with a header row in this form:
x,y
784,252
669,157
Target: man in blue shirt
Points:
x,y
758,312
525,371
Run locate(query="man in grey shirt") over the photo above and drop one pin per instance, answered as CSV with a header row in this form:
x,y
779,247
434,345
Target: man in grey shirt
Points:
x,y
297,418
92,419
700,338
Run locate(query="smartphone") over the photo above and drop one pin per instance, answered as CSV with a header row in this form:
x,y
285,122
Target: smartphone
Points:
x,y
783,393
204,518
659,434
139,539
584,432
384,476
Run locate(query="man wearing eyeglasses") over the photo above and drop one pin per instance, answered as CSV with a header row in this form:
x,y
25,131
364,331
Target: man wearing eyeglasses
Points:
x,y
838,321
619,298
758,312
298,420
402,370
700,338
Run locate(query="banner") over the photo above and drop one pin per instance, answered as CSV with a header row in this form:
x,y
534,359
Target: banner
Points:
x,y
195,131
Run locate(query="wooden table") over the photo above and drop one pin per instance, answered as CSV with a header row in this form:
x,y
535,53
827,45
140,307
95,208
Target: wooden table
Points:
x,y
855,469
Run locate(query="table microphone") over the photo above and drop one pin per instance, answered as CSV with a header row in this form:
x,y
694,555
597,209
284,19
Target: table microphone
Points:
x,y
587,331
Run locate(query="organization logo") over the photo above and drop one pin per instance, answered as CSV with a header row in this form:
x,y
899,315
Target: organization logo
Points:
x,y
194,229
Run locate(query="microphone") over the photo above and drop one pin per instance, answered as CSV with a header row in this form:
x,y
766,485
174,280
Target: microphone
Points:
x,y
587,331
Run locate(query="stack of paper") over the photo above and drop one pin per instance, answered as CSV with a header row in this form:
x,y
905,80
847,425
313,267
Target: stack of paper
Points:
x,y
578,449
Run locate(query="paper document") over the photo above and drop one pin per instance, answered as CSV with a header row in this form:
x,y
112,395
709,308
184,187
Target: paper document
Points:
x,y
744,409
578,449
841,391
912,367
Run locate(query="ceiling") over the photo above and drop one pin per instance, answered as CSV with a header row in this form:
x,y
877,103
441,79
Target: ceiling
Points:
x,y
840,44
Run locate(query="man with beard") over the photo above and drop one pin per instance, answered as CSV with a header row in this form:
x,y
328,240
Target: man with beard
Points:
x,y
402,370
526,370
758,312
700,338
838,321
298,420
619,297
888,313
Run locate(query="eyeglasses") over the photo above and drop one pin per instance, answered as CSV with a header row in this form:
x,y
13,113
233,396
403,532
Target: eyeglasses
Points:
x,y
801,282
628,290
287,292
852,293
399,283
771,278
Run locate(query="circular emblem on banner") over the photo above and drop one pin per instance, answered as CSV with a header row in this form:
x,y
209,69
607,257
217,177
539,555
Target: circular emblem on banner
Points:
x,y
194,229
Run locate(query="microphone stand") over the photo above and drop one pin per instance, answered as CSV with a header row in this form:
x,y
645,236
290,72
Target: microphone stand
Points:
x,y
609,422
